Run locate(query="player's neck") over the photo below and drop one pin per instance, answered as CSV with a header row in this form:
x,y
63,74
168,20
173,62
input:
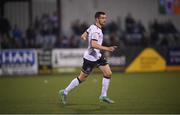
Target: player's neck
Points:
x,y
98,25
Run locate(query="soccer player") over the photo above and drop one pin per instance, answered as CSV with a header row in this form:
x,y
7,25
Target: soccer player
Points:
x,y
93,58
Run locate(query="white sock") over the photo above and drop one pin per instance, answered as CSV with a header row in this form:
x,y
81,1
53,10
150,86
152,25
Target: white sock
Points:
x,y
105,85
74,83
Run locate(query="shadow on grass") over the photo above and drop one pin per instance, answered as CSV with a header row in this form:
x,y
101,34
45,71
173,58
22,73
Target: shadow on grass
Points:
x,y
84,108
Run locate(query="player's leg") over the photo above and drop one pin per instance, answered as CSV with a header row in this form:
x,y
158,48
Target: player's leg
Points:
x,y
74,83
86,70
106,79
105,83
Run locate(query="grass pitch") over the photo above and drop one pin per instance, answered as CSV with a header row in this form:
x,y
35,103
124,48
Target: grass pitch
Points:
x,y
132,93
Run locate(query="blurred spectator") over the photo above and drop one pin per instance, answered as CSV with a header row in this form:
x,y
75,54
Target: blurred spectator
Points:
x,y
139,31
45,25
4,33
47,31
114,40
164,34
119,26
58,43
129,23
134,33
73,42
171,33
30,36
17,36
171,28
36,24
39,40
49,41
75,27
65,42
113,27
139,27
154,30
78,28
55,26
1,40
4,26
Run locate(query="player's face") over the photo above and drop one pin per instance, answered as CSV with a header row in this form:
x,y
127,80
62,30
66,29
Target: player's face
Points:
x,y
102,20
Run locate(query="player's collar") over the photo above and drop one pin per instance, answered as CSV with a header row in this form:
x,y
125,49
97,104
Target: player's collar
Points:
x,y
97,26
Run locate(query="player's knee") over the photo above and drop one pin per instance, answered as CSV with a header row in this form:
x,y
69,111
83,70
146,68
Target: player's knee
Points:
x,y
108,74
82,77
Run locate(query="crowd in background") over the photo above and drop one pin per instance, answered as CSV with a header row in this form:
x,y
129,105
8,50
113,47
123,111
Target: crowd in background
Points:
x,y
44,33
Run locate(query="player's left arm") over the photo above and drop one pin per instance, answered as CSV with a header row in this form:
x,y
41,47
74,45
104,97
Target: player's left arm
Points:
x,y
95,45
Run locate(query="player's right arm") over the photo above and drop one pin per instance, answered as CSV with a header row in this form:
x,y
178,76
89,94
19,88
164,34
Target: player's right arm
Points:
x,y
84,35
95,45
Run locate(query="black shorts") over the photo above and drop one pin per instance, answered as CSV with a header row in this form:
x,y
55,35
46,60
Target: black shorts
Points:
x,y
89,65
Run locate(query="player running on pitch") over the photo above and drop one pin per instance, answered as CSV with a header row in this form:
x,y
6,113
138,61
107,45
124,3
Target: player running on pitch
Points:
x,y
93,58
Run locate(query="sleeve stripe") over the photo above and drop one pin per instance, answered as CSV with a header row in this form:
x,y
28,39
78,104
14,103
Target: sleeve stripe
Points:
x,y
94,39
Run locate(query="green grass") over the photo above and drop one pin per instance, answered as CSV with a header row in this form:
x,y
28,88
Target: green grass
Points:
x,y
133,93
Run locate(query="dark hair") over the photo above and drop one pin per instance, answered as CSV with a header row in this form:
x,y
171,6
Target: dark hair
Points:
x,y
97,14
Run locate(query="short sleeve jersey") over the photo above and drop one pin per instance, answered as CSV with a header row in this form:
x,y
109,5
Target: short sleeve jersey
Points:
x,y
94,33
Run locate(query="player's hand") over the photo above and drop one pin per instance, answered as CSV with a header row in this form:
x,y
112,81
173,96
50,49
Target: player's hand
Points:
x,y
112,48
